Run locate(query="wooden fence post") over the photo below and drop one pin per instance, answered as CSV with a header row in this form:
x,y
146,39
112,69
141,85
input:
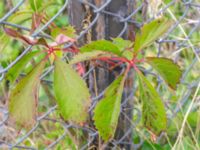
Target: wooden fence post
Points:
x,y
106,27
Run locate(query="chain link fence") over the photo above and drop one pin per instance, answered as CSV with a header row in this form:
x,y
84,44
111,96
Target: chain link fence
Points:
x,y
181,43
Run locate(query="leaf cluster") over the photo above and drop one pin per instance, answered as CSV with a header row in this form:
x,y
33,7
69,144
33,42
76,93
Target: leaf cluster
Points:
x,y
71,92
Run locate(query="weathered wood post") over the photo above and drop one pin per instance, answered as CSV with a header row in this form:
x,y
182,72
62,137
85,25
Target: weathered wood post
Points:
x,y
107,27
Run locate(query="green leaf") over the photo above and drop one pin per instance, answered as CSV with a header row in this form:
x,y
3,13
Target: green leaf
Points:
x,y
154,115
118,47
35,4
151,146
101,45
168,70
23,99
121,43
128,54
150,32
20,16
71,92
107,111
14,72
89,56
68,31
124,46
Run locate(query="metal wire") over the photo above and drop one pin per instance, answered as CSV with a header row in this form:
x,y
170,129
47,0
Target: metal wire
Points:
x,y
182,23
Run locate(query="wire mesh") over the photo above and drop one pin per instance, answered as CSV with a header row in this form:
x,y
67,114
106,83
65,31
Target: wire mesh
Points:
x,y
185,25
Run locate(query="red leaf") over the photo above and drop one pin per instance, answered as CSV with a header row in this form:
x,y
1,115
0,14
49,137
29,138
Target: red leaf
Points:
x,y
16,34
80,69
61,39
12,32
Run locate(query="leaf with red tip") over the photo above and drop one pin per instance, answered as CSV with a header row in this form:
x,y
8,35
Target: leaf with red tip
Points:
x,y
23,99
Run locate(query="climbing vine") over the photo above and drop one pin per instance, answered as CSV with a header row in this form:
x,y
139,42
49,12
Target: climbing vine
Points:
x,y
71,92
